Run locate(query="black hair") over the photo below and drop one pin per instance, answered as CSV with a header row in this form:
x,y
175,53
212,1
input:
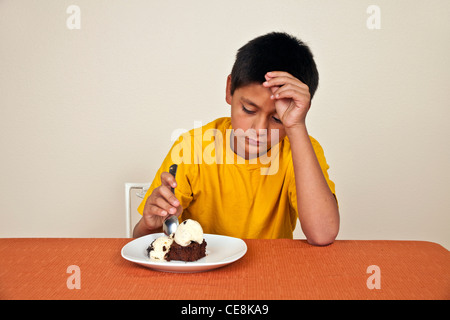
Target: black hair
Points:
x,y
276,51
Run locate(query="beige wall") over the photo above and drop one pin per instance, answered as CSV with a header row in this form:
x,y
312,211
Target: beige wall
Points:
x,y
84,111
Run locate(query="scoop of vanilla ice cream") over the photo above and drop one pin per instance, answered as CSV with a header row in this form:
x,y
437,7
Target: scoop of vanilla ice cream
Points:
x,y
160,247
189,230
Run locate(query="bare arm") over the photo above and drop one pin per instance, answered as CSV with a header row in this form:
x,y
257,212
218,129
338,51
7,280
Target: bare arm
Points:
x,y
317,207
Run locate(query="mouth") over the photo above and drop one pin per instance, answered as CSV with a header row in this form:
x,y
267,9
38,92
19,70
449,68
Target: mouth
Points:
x,y
254,142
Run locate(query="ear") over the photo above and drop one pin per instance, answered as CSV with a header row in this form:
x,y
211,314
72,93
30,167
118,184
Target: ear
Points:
x,y
228,95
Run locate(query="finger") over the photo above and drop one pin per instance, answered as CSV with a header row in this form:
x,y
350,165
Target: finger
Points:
x,y
283,81
291,90
288,93
179,211
298,98
267,77
153,221
164,193
165,206
167,194
273,74
151,209
168,180
157,211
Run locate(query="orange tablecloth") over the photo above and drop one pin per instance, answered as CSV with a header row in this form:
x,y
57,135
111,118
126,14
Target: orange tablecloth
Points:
x,y
272,269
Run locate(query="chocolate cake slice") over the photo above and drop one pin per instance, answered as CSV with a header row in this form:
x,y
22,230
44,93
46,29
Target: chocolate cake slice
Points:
x,y
186,244
191,252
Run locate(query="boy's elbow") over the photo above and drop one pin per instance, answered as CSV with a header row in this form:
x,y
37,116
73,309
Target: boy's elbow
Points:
x,y
323,239
325,234
320,241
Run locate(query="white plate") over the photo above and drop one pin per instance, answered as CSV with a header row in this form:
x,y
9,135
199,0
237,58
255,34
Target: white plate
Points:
x,y
220,251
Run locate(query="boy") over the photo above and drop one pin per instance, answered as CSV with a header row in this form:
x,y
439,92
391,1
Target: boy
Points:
x,y
234,191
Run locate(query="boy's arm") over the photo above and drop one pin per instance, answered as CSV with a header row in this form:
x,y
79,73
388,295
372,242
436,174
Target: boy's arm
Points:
x,y
317,208
140,229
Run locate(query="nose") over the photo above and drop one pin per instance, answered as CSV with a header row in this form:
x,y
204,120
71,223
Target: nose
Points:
x,y
260,125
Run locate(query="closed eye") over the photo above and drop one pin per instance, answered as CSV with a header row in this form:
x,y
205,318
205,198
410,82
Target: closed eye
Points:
x,y
247,110
277,120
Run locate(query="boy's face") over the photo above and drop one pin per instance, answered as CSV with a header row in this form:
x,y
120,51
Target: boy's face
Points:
x,y
256,125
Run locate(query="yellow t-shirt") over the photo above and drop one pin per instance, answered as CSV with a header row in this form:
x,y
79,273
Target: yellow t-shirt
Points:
x,y
229,195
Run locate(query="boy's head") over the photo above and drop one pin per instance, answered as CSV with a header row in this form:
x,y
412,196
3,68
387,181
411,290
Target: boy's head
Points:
x,y
254,119
274,51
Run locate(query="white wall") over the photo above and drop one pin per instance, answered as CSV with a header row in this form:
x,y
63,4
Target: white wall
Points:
x,y
84,111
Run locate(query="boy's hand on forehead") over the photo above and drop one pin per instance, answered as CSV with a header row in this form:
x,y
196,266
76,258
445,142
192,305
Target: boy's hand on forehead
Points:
x,y
292,97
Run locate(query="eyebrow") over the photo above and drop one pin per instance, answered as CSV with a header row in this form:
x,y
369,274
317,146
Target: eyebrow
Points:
x,y
250,102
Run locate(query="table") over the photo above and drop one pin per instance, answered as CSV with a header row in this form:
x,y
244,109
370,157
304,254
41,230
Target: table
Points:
x,y
37,268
